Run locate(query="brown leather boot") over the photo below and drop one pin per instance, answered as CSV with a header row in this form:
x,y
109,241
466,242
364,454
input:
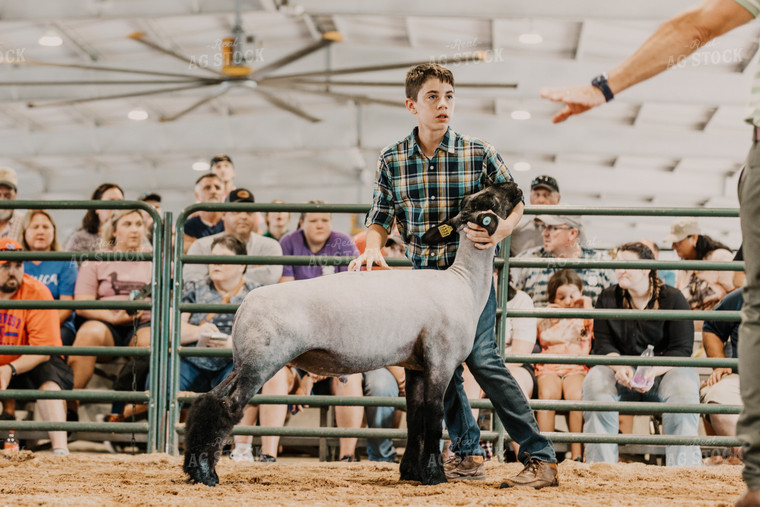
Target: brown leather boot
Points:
x,y
750,498
536,474
465,468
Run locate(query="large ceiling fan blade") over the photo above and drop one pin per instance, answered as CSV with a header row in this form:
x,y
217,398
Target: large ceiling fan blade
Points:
x,y
140,37
37,63
472,57
327,39
363,99
393,84
114,82
118,96
196,105
282,104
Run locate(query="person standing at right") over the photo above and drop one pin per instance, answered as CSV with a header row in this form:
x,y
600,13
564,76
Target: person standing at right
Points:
x,y
674,40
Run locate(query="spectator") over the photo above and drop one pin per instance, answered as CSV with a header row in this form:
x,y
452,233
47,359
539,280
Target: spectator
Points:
x,y
316,238
222,166
641,289
10,219
209,188
154,200
561,240
32,327
544,190
277,222
224,284
38,234
564,336
240,225
703,289
87,237
722,386
112,281
668,276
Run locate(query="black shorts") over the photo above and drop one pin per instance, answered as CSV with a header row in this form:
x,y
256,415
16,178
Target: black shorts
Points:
x,y
122,335
55,370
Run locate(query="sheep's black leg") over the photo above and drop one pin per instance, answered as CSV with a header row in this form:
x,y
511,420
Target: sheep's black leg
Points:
x,y
431,461
415,392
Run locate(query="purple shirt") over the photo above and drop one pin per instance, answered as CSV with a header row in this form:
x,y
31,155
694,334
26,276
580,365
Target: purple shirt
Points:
x,y
294,243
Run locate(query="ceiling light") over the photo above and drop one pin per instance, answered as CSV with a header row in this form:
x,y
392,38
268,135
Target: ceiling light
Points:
x,y
138,114
521,166
520,115
50,39
530,38
201,166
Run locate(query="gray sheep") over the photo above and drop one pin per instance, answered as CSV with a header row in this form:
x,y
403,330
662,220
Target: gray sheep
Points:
x,y
423,320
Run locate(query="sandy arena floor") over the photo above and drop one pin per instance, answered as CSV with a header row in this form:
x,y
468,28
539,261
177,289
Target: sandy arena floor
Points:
x,y
110,479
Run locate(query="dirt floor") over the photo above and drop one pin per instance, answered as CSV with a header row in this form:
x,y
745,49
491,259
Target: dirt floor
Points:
x,y
157,479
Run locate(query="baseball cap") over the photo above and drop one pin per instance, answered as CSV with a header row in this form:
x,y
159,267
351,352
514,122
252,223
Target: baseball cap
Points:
x,y
683,228
544,181
573,221
240,195
8,177
9,245
150,196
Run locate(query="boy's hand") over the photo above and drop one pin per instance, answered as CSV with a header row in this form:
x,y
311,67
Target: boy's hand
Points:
x,y
370,257
482,239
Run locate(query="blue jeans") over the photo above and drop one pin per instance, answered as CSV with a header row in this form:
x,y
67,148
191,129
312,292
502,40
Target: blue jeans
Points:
x,y
679,385
198,380
380,383
508,400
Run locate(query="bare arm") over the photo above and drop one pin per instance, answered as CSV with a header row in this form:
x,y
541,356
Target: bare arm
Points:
x,y
23,364
63,315
675,39
116,317
714,347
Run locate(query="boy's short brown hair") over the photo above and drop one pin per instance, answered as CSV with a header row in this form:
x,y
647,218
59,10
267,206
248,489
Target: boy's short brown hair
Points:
x,y
418,74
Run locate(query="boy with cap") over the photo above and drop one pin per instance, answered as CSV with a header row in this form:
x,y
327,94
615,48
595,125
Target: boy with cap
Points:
x,y
10,219
421,181
24,326
560,234
544,191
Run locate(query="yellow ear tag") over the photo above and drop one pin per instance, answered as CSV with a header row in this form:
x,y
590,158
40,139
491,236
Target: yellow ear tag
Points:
x,y
445,230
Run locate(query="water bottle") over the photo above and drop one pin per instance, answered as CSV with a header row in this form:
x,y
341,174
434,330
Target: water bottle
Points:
x,y
11,444
640,380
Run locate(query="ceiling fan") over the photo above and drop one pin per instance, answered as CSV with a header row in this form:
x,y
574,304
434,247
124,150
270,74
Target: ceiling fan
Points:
x,y
235,72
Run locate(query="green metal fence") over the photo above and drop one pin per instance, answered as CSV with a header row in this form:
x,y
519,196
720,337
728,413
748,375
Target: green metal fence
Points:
x,y
153,426
503,264
162,428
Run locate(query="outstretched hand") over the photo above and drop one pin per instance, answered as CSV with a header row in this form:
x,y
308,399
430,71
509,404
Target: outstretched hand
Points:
x,y
577,100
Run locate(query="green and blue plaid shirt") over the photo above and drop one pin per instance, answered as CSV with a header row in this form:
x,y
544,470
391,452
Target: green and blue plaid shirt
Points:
x,y
421,193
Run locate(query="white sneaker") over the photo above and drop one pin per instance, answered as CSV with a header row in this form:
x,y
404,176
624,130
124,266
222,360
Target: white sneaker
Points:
x,y
242,454
60,452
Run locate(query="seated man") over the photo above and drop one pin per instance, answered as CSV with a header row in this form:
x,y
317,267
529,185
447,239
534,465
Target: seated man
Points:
x,y
316,238
561,235
723,385
209,188
32,327
241,225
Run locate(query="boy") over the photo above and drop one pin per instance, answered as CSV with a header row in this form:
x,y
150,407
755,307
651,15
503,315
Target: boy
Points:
x,y
421,181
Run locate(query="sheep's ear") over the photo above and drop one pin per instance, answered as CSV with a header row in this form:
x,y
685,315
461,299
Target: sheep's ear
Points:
x,y
489,222
440,233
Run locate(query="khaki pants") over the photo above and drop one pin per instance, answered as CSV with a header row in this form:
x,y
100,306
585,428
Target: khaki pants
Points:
x,y
748,428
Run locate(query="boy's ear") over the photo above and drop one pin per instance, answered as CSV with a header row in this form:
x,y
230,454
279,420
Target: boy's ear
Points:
x,y
440,233
411,105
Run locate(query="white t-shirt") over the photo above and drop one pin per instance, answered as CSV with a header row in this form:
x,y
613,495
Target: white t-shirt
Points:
x,y
519,329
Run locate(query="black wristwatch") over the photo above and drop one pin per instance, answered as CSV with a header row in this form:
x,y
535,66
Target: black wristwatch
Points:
x,y
13,370
601,83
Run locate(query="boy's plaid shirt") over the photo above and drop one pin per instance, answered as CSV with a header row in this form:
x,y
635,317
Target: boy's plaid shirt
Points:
x,y
421,193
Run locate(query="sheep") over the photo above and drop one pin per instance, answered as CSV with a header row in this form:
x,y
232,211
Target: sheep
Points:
x,y
423,320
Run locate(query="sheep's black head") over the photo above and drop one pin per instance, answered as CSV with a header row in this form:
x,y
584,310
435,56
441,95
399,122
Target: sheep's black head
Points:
x,y
500,198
